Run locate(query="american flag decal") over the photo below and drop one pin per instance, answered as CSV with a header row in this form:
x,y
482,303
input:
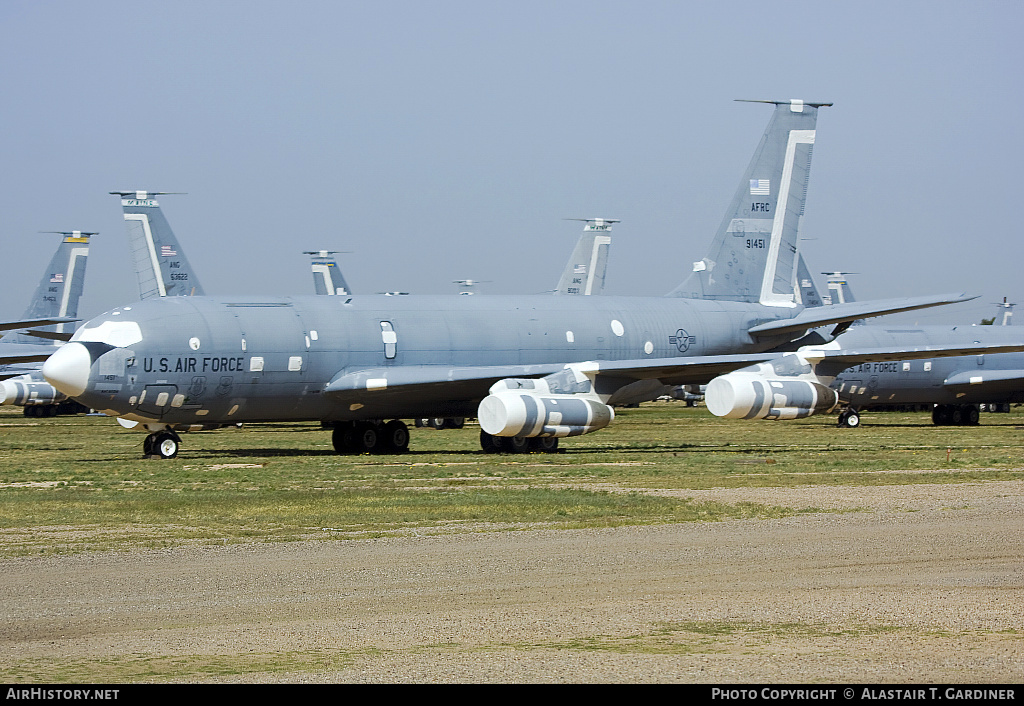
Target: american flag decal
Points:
x,y
167,251
760,187
580,270
59,277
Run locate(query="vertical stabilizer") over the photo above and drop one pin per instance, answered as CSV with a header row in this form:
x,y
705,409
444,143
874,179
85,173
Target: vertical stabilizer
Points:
x,y
585,271
327,277
839,287
60,287
753,257
805,287
160,263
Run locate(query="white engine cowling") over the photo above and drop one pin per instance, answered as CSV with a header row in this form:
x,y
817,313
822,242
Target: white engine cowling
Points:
x,y
508,413
749,395
29,393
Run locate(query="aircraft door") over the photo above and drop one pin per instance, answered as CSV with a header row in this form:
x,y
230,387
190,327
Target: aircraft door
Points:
x,y
155,399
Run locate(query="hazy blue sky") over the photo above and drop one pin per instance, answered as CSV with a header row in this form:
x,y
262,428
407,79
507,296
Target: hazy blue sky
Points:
x,y
448,140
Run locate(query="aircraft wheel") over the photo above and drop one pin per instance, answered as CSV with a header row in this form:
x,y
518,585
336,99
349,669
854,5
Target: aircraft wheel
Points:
x,y
956,416
344,438
396,437
849,419
940,415
437,422
544,444
163,444
455,422
492,444
518,444
368,438
971,416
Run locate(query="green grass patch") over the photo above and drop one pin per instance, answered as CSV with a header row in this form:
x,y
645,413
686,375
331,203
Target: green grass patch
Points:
x,y
80,482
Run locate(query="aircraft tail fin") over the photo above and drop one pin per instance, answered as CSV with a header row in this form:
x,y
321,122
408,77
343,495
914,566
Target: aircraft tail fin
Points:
x,y
753,257
839,287
805,287
160,263
60,287
585,271
327,277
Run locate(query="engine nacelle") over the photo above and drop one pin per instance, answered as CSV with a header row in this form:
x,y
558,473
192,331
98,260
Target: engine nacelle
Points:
x,y
747,394
35,392
524,413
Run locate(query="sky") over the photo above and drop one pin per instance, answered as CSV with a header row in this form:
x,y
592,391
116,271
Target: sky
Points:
x,y
447,140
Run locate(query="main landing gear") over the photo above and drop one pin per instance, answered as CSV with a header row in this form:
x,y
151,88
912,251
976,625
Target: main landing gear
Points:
x,y
955,415
371,437
517,444
161,444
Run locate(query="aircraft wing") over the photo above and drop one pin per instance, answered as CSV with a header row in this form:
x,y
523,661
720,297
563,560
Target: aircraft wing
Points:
x,y
24,353
31,323
984,377
473,382
851,311
374,387
840,359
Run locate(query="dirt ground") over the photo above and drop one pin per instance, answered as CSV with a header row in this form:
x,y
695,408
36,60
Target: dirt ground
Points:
x,y
920,583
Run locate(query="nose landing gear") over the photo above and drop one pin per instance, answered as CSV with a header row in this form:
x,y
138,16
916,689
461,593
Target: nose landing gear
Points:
x,y
161,444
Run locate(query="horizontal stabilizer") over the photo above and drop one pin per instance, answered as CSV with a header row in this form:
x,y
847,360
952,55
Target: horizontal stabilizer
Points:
x,y
851,311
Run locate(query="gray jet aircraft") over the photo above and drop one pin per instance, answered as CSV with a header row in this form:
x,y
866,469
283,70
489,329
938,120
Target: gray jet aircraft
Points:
x,y
532,369
55,302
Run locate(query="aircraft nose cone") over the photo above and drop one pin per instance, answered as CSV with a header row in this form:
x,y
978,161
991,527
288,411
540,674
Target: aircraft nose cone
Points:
x,y
68,369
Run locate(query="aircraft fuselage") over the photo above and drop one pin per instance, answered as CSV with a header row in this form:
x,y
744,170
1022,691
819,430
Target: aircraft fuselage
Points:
x,y
201,360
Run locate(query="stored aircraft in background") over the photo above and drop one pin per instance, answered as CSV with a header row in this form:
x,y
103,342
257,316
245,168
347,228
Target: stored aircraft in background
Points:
x,y
55,302
327,277
532,369
161,269
956,387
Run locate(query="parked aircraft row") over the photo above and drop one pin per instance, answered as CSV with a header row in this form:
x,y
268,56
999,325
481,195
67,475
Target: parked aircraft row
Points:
x,y
532,369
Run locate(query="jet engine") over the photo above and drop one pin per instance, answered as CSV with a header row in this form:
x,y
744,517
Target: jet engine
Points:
x,y
562,404
32,392
783,389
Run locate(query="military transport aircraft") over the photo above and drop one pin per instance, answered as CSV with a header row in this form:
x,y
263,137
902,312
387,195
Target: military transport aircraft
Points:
x,y
955,386
55,302
532,368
